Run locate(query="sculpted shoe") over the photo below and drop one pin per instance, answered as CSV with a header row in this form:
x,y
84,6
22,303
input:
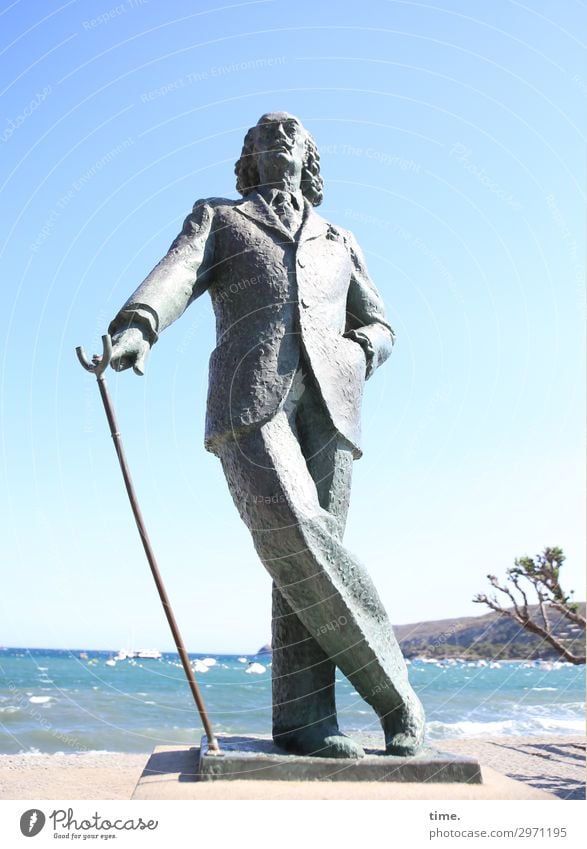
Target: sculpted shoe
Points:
x,y
404,729
319,742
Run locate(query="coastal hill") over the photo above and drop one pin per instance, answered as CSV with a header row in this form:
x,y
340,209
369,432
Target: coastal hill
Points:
x,y
490,636
483,637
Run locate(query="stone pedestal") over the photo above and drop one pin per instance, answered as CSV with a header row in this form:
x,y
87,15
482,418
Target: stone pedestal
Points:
x,y
252,768
258,759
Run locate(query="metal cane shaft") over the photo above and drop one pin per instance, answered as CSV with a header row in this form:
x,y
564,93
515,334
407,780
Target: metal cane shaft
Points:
x,y
212,742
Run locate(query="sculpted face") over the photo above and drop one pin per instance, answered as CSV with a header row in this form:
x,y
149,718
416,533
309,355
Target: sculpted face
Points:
x,y
280,147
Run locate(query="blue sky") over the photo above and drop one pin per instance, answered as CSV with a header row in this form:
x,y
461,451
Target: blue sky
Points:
x,y
451,138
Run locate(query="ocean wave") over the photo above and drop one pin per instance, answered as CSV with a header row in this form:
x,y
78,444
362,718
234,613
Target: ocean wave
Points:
x,y
40,700
532,726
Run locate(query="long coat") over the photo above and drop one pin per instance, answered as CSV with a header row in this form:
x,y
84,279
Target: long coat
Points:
x,y
276,299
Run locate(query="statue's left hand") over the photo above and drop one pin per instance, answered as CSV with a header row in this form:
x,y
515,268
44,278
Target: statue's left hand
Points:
x,y
365,343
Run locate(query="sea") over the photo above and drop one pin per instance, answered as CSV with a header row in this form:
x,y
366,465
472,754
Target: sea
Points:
x,y
87,701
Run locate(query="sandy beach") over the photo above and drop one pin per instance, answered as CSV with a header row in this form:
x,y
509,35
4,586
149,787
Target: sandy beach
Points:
x,y
554,764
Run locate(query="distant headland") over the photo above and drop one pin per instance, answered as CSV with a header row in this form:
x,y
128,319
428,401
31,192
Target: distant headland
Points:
x,y
492,636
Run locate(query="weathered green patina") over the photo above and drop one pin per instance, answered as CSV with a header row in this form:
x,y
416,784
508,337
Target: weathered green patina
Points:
x,y
300,327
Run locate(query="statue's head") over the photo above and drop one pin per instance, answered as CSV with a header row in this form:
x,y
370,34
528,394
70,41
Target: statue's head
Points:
x,y
279,144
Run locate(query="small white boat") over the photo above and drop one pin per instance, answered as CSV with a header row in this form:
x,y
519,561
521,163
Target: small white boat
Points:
x,y
243,660
110,662
209,661
199,666
124,654
148,654
255,669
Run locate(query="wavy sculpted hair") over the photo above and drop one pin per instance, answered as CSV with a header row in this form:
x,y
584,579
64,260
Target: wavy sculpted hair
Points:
x,y
247,174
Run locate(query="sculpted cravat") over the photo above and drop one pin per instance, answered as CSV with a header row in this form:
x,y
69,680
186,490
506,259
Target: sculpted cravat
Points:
x,y
286,206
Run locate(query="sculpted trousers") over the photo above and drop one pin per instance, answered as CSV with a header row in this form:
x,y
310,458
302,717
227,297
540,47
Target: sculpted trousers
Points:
x,y
290,481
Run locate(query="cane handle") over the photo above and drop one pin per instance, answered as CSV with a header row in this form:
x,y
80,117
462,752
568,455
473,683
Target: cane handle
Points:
x,y
99,363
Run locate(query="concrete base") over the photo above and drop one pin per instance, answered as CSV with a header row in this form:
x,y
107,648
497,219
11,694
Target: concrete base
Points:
x,y
174,773
259,759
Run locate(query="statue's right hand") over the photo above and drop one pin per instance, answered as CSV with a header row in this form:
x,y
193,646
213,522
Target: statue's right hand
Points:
x,y
130,347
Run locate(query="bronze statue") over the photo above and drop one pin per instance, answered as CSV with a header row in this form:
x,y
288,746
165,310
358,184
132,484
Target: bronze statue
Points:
x,y
300,327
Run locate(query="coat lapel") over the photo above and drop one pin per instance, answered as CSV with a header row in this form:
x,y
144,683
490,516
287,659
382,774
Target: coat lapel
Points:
x,y
313,225
255,207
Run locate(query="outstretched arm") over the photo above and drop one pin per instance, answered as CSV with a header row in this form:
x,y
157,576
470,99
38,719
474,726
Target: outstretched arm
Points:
x,y
366,322
179,278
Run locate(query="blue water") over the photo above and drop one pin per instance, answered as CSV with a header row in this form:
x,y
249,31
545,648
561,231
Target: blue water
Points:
x,y
55,701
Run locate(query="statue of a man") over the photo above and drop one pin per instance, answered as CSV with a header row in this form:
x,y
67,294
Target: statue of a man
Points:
x,y
300,326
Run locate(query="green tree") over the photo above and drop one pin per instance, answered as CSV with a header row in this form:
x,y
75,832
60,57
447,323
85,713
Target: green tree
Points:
x,y
542,574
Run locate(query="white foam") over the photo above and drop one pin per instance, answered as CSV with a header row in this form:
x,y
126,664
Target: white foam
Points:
x,y
255,669
531,725
40,700
467,728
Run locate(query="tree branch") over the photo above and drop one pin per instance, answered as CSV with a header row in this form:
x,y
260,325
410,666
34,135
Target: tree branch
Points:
x,y
572,615
494,583
543,575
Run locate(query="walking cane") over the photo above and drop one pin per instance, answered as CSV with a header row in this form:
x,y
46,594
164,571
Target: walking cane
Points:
x,y
98,367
